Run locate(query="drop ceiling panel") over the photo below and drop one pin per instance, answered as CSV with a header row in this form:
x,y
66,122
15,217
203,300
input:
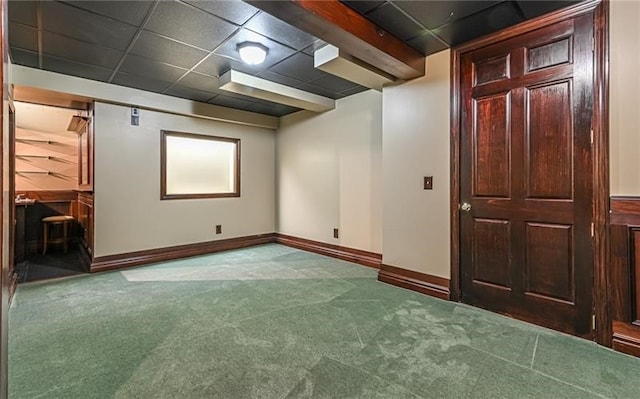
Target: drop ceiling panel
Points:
x,y
299,66
433,14
214,65
309,50
75,50
333,83
279,31
276,77
535,8
232,10
269,108
76,69
189,93
23,12
321,91
23,57
176,20
390,19
23,36
227,100
85,26
140,66
427,43
165,50
139,82
363,6
200,81
490,20
131,12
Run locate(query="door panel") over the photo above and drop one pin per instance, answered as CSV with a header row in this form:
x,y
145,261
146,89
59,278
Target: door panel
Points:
x,y
491,147
496,234
526,172
550,144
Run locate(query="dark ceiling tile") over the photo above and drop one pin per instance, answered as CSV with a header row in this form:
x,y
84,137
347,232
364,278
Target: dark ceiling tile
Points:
x,y
75,69
23,36
311,49
189,25
535,8
395,22
22,57
131,12
299,66
320,91
276,51
141,83
77,51
275,77
201,82
23,12
189,93
333,83
214,65
141,66
354,90
235,11
433,14
158,48
363,6
427,44
85,26
480,24
279,31
226,100
272,109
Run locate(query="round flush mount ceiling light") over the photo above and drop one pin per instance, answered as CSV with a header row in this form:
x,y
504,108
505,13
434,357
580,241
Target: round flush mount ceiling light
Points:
x,y
252,53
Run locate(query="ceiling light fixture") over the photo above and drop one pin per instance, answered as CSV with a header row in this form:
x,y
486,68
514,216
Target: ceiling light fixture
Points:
x,y
252,53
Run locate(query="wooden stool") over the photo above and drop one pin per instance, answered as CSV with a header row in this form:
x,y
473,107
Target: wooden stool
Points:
x,y
63,220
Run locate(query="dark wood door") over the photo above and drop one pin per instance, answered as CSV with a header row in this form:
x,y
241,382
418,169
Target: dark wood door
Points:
x,y
526,176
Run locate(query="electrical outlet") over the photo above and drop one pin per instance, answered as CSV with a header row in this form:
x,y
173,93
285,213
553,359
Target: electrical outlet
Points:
x,y
336,233
428,182
218,229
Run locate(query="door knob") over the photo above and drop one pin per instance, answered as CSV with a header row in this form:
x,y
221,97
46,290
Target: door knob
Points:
x,y
465,207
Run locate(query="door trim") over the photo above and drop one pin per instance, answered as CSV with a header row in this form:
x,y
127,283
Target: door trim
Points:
x,y
600,125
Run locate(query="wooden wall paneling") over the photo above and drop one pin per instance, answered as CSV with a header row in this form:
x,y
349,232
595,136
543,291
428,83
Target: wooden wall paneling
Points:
x,y
619,272
635,277
4,206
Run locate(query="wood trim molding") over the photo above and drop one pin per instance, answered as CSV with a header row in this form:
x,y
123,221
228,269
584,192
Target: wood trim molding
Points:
x,y
626,338
359,256
45,196
164,134
341,26
111,262
415,281
625,210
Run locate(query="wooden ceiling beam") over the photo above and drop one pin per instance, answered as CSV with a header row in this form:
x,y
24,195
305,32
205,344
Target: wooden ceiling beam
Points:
x,y
341,26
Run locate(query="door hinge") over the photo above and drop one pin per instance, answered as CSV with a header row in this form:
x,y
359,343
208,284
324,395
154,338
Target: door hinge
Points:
x,y
591,136
593,43
593,322
593,229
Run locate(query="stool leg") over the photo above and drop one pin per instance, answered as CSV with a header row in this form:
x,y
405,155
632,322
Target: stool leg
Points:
x,y
45,234
65,235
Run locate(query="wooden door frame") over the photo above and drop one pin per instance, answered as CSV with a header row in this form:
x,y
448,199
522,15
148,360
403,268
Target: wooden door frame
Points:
x,y
600,125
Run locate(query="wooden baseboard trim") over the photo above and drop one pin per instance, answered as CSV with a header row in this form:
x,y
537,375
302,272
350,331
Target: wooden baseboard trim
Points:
x,y
415,281
626,338
365,258
111,262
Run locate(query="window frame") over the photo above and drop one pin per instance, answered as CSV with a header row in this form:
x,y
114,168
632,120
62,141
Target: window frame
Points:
x,y
163,166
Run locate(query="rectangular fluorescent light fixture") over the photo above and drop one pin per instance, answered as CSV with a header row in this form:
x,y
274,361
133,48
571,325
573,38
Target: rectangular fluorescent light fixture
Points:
x,y
336,62
242,83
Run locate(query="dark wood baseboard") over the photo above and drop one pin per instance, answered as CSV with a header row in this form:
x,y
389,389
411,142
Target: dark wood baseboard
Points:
x,y
365,258
111,262
415,281
626,338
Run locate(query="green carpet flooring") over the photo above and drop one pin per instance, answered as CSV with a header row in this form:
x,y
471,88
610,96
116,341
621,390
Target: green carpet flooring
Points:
x,y
276,322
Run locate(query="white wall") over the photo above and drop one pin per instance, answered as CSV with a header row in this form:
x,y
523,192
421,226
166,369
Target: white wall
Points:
x,y
624,96
329,173
129,215
415,132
